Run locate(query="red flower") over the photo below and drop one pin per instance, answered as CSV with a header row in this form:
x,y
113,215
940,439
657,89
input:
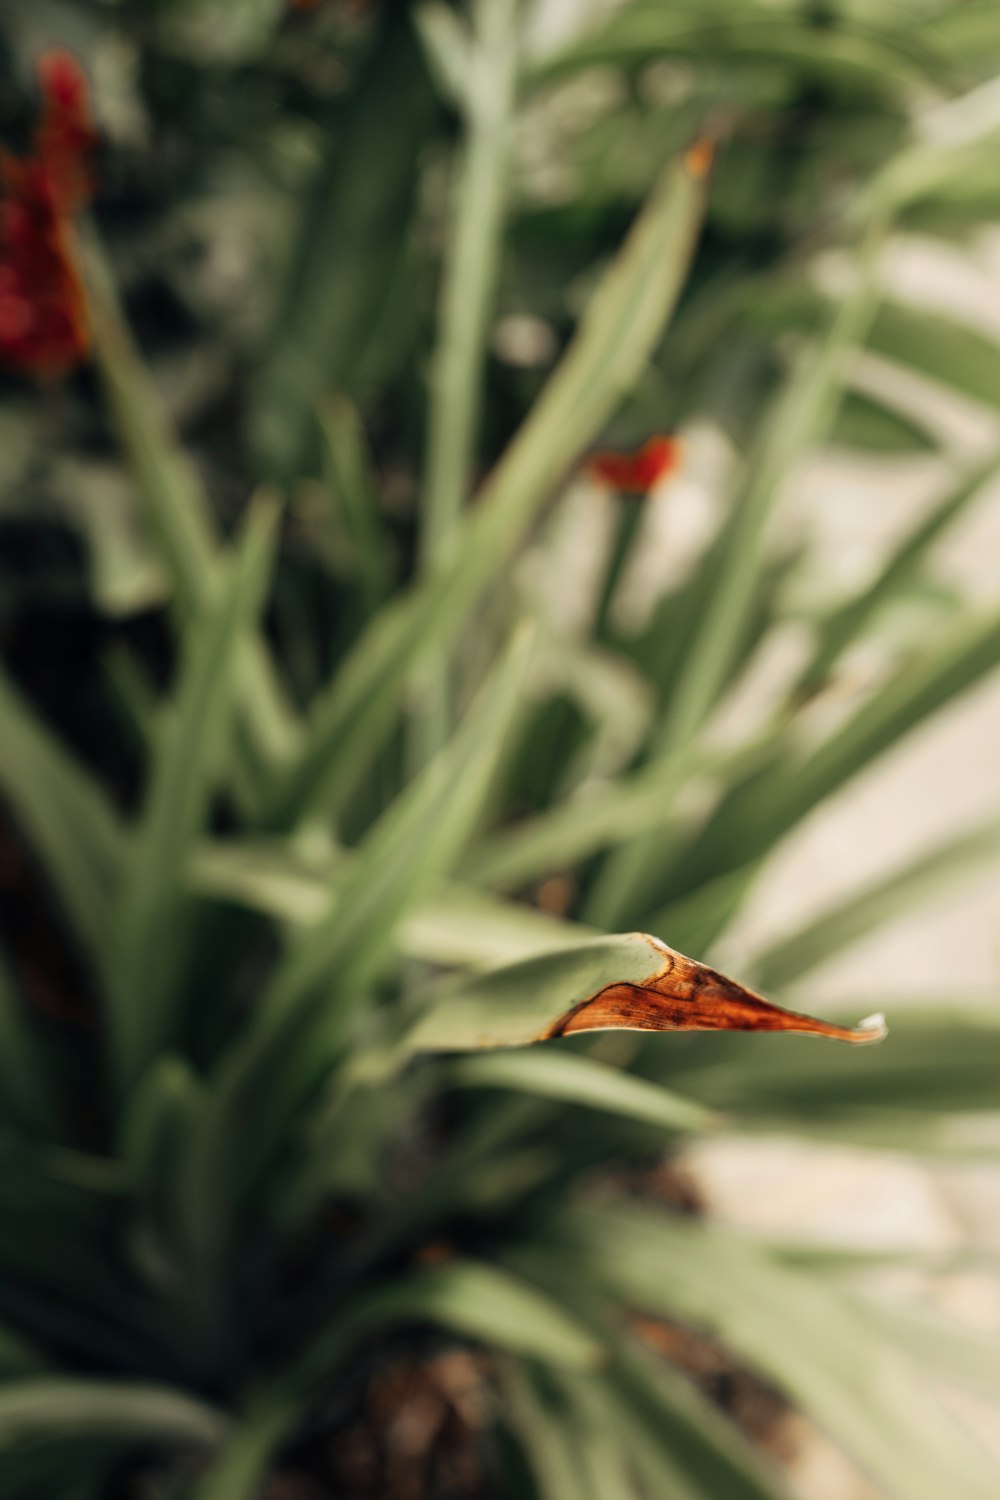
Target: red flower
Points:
x,y
43,324
66,135
637,473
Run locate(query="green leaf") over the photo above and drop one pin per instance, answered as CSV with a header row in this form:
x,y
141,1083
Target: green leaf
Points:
x,y
350,482
453,926
957,143
476,1300
954,663
178,511
680,1441
631,982
447,46
417,839
619,331
164,1115
129,1411
306,1014
947,1349
353,234
190,756
759,810
612,813
66,816
814,1343
471,269
897,573
803,412
568,1429
949,352
567,832
698,920
471,1298
572,1079
831,51
465,927
876,1096
826,936
166,482
677,1440
468,294
224,34
869,425
240,1470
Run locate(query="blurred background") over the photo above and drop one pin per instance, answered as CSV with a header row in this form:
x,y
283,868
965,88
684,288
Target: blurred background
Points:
x,y
330,259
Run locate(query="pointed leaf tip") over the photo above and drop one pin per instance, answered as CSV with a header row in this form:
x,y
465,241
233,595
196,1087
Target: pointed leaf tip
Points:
x,y
873,1028
627,982
684,995
699,156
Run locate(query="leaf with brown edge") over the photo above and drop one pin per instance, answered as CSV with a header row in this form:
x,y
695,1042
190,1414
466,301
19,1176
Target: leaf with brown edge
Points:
x,y
631,982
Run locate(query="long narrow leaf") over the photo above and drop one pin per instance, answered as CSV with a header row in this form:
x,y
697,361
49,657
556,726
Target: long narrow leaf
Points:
x,y
834,930
849,1379
353,233
178,510
580,1080
803,413
877,1096
128,1411
190,757
542,1431
453,926
65,815
678,1441
470,1298
757,812
633,982
350,483
317,991
418,838
950,1351
467,297
621,327
847,623
838,52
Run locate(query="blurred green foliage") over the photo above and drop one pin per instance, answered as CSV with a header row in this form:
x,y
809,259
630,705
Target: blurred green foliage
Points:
x,y
296,743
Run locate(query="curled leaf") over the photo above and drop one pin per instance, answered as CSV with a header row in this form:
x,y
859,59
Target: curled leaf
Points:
x,y
684,995
632,982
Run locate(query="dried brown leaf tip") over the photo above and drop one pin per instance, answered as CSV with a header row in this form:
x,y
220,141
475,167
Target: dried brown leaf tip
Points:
x,y
698,157
684,995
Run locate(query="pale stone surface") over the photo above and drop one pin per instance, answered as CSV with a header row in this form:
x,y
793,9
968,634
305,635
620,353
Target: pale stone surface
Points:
x,y
811,1191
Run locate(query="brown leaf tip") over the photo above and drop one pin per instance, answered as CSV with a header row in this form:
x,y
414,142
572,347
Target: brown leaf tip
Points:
x,y
698,158
684,995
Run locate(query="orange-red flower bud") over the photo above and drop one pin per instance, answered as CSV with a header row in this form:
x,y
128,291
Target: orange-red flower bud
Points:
x,y
637,473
